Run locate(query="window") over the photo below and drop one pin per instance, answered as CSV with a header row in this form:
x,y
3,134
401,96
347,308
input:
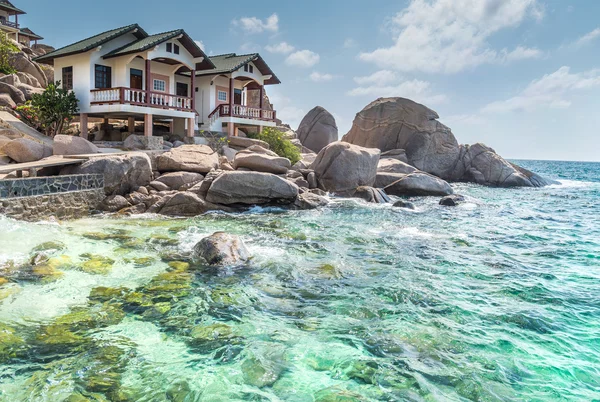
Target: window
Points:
x,y
249,68
103,76
176,48
222,96
181,89
160,85
67,78
170,47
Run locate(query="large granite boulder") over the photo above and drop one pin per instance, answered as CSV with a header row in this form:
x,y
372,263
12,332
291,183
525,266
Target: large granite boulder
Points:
x,y
308,200
72,145
134,141
176,180
251,188
21,62
399,123
7,101
15,93
418,183
341,167
122,173
482,165
260,159
24,150
189,158
222,249
317,129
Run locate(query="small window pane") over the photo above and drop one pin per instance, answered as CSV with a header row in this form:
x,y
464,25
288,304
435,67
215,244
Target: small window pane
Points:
x,y
103,76
169,47
222,96
160,85
251,69
176,49
67,78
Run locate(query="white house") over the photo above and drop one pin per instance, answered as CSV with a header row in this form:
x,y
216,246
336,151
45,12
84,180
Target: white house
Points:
x,y
127,74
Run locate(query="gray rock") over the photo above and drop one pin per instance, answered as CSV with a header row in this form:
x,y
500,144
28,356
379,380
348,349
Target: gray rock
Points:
x,y
189,158
176,180
260,159
317,129
122,173
71,145
341,167
390,165
309,200
22,63
113,203
134,141
373,195
222,249
243,142
6,100
15,93
159,186
311,178
24,150
299,181
419,183
202,188
399,123
398,154
452,200
404,204
186,203
251,188
177,144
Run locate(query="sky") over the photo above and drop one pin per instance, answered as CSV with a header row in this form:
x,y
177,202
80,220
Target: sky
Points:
x,y
522,76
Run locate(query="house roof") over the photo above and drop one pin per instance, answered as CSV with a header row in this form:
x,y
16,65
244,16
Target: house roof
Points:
x,y
230,62
7,5
91,43
154,40
30,34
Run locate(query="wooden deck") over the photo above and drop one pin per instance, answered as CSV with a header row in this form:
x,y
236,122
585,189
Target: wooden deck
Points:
x,y
33,166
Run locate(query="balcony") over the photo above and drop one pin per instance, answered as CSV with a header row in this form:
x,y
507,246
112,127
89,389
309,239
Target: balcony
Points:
x,y
9,24
138,97
243,112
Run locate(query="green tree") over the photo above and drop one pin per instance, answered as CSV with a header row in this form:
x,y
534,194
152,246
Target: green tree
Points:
x,y
55,107
280,145
6,49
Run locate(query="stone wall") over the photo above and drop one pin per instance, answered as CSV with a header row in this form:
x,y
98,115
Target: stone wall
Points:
x,y
71,205
26,187
61,197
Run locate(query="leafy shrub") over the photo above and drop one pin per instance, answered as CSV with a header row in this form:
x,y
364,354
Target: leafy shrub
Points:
x,y
6,49
30,115
280,145
55,107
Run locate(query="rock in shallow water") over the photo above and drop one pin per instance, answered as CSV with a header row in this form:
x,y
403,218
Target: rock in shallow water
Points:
x,y
419,183
222,249
452,200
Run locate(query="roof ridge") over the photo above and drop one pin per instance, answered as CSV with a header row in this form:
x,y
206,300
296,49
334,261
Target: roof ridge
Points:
x,y
126,27
168,34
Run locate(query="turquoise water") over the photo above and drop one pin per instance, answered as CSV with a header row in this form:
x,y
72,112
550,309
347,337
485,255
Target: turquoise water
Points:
x,y
495,300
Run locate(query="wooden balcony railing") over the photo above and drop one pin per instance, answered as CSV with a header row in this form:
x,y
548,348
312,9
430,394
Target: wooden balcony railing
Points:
x,y
138,97
243,112
9,23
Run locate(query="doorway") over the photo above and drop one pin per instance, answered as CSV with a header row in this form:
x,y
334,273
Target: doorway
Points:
x,y
182,89
237,96
136,79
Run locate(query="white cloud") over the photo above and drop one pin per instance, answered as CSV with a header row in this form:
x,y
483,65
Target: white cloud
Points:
x,y
200,44
303,58
550,91
254,25
587,38
522,53
417,90
349,43
449,36
464,119
281,48
379,78
320,77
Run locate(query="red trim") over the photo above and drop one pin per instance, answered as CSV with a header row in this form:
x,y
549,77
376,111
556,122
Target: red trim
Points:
x,y
222,112
140,97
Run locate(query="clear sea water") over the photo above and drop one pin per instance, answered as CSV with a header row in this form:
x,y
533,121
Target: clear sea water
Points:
x,y
495,300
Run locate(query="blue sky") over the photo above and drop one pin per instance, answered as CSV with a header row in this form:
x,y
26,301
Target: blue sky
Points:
x,y
522,76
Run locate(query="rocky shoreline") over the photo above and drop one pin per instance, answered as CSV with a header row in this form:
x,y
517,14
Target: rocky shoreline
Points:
x,y
396,148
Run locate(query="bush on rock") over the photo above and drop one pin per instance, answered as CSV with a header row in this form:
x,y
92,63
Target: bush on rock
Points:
x,y
279,144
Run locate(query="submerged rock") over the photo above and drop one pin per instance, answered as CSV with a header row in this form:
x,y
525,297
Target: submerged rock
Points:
x,y
222,248
96,264
263,367
404,204
452,200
